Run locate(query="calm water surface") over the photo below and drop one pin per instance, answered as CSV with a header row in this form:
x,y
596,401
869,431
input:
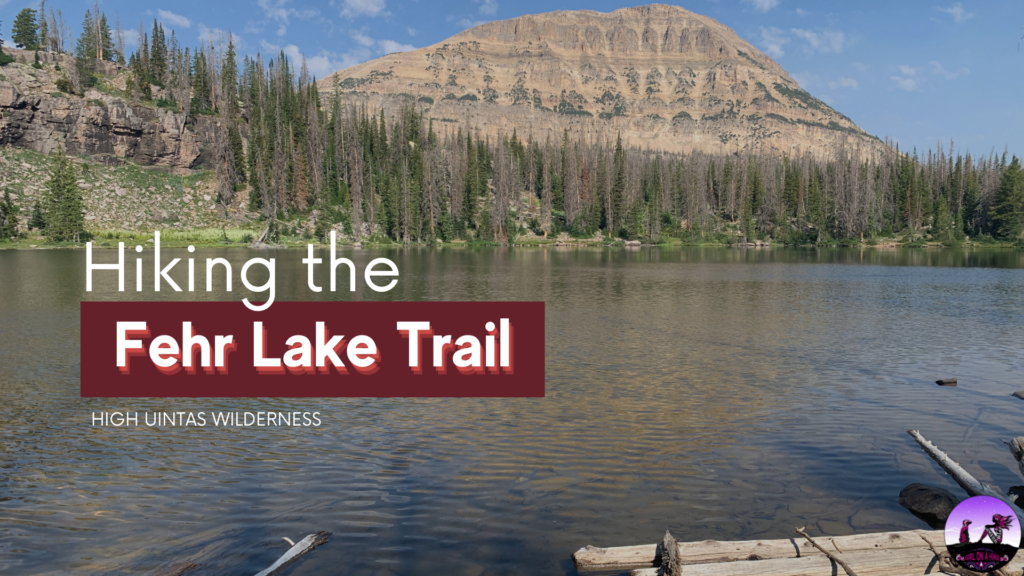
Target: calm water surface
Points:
x,y
726,394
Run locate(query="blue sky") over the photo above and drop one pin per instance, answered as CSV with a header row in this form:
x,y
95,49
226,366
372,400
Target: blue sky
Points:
x,y
916,71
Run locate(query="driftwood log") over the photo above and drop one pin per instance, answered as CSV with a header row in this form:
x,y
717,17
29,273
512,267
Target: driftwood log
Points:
x,y
293,553
1017,449
961,476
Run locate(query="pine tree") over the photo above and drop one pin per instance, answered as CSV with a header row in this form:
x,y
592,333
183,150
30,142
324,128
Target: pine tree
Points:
x,y
25,32
44,28
106,41
1007,211
8,218
971,193
5,58
200,85
618,216
942,227
64,210
85,51
38,219
158,55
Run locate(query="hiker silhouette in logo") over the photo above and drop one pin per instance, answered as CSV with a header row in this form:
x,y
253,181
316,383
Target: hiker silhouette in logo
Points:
x,y
965,535
994,531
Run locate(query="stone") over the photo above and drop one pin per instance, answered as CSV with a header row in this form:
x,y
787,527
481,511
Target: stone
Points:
x,y
109,134
1019,394
930,504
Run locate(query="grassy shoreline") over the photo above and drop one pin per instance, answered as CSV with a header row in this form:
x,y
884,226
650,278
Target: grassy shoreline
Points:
x,y
242,238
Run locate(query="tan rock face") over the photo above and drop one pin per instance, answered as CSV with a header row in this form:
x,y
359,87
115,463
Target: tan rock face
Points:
x,y
34,115
662,76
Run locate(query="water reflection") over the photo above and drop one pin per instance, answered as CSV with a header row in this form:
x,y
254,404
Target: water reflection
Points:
x,y
720,393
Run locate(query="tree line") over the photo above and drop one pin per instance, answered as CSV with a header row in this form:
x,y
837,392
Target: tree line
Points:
x,y
401,175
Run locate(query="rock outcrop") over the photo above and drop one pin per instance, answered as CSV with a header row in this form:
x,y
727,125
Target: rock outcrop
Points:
x,y
662,76
35,115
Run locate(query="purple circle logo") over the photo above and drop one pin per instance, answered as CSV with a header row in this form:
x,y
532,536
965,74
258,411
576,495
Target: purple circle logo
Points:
x,y
982,534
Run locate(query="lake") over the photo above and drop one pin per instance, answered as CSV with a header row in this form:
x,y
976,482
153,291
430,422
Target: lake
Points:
x,y
720,393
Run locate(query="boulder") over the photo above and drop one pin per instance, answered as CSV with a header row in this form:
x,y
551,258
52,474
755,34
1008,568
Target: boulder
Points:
x,y
929,503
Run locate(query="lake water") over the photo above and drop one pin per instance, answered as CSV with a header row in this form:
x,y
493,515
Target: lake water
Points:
x,y
720,393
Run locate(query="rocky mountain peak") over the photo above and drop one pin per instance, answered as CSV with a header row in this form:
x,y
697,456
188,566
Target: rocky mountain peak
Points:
x,y
662,76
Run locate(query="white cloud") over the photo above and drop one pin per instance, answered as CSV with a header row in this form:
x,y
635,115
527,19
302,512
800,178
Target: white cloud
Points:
x,y
844,83
353,8
773,39
823,41
131,37
205,33
908,84
361,38
174,19
281,30
411,31
806,80
326,63
274,9
948,75
763,5
861,66
252,27
278,11
489,7
909,70
468,23
957,12
390,46
801,12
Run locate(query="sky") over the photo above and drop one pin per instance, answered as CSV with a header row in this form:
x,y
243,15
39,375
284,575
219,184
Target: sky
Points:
x,y
918,72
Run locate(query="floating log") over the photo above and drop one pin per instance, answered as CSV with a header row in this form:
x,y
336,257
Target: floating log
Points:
x,y
293,553
712,551
962,477
947,382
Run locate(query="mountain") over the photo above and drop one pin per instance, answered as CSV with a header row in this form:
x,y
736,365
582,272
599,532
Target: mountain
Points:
x,y
662,76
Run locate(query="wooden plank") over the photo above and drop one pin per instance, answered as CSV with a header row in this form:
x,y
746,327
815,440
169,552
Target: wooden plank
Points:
x,y
867,563
711,551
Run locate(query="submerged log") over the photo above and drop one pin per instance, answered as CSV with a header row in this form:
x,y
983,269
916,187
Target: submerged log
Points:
x,y
293,553
961,476
712,551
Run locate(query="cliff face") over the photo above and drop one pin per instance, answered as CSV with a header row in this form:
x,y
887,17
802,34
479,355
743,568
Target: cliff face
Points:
x,y
662,76
33,114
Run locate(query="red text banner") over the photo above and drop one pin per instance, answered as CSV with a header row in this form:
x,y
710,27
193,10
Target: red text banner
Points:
x,y
312,349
